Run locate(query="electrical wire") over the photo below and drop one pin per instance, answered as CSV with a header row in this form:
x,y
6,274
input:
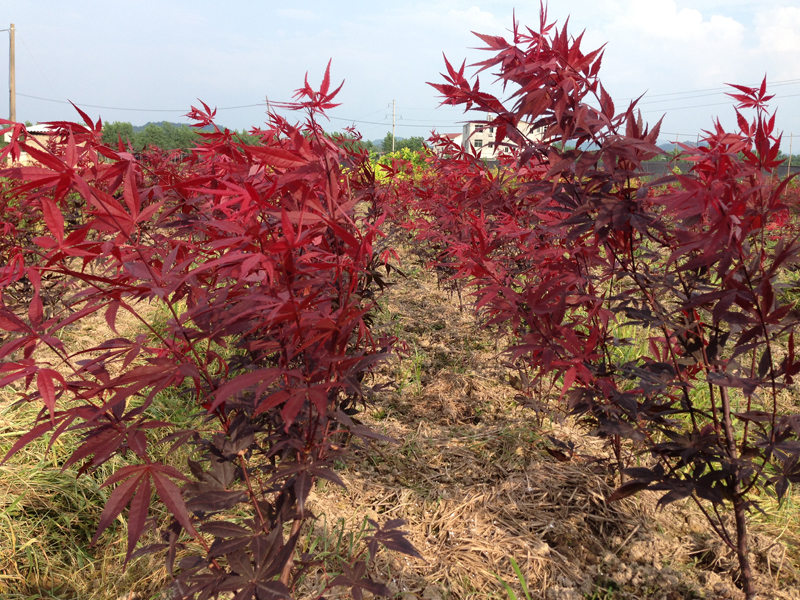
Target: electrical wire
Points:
x,y
716,90
726,88
183,110
179,110
681,99
405,122
36,62
389,123
728,103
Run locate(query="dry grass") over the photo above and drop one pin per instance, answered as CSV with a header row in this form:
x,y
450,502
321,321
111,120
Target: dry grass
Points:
x,y
468,474
470,477
48,518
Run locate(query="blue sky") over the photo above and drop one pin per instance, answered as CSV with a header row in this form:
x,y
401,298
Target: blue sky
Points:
x,y
165,54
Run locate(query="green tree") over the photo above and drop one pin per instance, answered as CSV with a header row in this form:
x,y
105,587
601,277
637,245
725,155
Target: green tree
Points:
x,y
368,146
386,144
417,144
248,138
178,136
795,158
349,141
151,135
118,129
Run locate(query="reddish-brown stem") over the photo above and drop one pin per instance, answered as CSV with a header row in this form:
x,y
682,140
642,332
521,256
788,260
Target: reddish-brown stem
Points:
x,y
287,568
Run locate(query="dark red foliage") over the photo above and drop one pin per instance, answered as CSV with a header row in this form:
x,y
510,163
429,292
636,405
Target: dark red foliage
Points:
x,y
660,312
265,263
652,305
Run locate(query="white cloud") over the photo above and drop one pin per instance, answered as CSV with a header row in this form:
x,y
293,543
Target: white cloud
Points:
x,y
662,20
656,42
473,17
779,31
297,13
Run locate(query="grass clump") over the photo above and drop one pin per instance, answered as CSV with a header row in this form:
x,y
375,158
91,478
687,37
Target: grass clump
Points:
x,y
48,519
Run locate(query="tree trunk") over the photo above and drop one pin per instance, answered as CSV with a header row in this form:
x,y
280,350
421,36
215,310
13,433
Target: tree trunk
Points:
x,y
741,549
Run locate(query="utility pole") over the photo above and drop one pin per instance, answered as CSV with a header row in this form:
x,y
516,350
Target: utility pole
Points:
x,y
789,166
12,86
392,125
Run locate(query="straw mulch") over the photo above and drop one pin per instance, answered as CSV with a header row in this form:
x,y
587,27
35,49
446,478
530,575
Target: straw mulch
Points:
x,y
470,476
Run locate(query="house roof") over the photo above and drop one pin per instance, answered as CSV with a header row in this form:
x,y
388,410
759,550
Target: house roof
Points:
x,y
40,129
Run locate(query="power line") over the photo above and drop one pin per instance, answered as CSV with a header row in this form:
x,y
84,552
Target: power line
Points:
x,y
716,90
704,95
180,110
728,103
426,125
726,88
681,99
38,66
389,123
183,110
373,112
429,109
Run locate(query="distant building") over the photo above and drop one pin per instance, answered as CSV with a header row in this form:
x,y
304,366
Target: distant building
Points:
x,y
482,136
456,138
40,133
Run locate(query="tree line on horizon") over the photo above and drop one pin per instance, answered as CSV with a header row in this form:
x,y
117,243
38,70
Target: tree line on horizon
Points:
x,y
174,136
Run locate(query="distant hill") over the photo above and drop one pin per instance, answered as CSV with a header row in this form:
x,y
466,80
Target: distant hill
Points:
x,y
140,128
670,146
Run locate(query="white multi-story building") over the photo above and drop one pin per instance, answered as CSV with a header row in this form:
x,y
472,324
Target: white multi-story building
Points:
x,y
482,137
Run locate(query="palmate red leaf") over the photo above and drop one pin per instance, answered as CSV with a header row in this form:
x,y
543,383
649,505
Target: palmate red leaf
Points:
x,y
326,80
627,489
137,515
84,116
225,529
47,389
130,193
26,438
118,500
569,379
70,152
241,382
277,157
171,496
493,42
53,219
46,159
